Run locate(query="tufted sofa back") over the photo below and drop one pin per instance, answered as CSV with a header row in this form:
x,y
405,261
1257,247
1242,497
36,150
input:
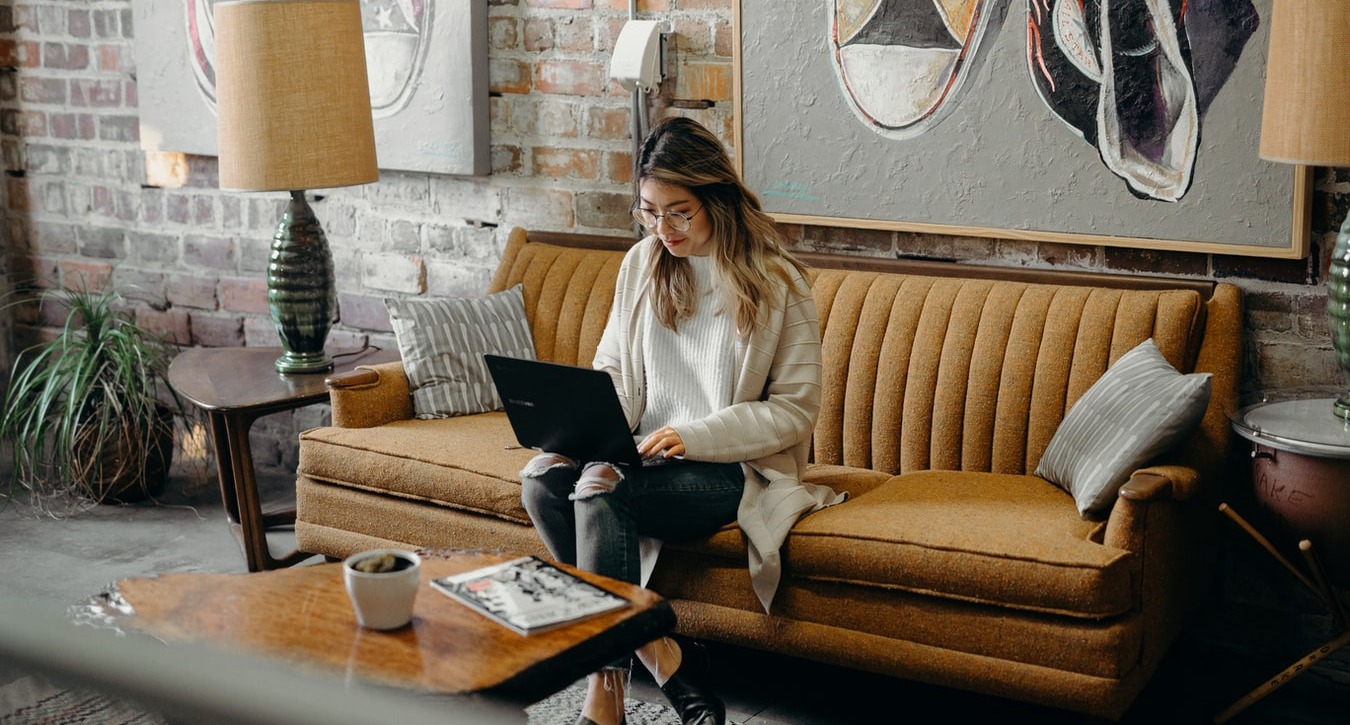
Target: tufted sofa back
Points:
x,y
921,371
974,375
568,291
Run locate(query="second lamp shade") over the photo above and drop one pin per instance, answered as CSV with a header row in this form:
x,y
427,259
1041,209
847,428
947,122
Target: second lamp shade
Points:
x,y
1306,116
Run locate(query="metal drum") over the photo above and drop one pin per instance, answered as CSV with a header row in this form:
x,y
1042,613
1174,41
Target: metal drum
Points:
x,y
1301,475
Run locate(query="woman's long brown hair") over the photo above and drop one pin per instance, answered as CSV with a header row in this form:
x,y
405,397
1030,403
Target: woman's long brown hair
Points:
x,y
746,247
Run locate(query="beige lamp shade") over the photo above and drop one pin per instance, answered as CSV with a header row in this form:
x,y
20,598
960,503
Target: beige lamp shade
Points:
x,y
1306,116
292,96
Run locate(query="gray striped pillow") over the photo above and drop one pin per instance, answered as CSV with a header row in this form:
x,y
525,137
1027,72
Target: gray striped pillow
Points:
x,y
1140,407
442,344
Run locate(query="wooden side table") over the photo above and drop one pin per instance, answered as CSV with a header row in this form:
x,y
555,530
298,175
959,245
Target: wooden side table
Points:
x,y
236,386
1301,471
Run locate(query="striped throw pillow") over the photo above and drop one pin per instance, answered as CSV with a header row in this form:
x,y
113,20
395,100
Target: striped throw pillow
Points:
x,y
442,343
1139,408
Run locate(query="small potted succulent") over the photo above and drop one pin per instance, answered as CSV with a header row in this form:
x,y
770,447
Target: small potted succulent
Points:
x,y
88,413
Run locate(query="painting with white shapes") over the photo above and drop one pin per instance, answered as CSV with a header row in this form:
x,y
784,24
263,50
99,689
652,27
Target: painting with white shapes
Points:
x,y
1130,123
426,63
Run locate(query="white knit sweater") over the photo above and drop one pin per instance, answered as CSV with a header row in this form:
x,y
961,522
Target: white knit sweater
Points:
x,y
768,426
698,369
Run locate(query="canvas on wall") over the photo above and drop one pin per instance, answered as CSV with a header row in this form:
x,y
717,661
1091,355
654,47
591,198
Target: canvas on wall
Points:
x,y
1119,122
426,63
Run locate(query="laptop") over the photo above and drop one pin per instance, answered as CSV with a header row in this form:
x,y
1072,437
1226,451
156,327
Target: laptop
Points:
x,y
564,409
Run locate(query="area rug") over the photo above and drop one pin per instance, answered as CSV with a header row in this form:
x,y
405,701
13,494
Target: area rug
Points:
x,y
33,701
563,708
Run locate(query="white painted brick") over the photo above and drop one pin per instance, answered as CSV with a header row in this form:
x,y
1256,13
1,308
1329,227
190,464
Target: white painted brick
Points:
x,y
473,245
397,190
457,200
394,273
453,279
260,331
348,267
539,208
338,218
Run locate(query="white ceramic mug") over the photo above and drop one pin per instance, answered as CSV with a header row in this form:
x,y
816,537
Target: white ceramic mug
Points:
x,y
382,600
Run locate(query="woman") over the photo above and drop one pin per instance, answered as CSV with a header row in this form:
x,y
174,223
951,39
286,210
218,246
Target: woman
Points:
x,y
714,348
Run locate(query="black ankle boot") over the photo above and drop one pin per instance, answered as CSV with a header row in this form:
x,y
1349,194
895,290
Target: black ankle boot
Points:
x,y
689,690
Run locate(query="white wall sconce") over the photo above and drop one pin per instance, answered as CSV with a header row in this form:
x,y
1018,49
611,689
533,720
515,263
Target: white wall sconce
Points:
x,y
639,58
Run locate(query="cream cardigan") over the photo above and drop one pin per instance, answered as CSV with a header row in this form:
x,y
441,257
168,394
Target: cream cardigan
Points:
x,y
768,426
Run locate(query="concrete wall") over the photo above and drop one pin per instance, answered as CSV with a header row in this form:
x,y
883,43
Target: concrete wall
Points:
x,y
78,200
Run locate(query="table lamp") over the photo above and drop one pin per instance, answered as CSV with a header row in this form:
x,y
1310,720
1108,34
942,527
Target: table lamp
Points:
x,y
1306,120
294,113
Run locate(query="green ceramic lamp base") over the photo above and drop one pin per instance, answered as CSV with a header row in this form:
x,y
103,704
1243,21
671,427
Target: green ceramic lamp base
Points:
x,y
300,290
1338,310
291,362
1342,406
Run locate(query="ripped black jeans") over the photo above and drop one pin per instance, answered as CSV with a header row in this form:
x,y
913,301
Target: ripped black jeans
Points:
x,y
591,515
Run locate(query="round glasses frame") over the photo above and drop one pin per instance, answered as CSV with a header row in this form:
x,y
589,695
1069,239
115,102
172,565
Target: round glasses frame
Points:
x,y
675,220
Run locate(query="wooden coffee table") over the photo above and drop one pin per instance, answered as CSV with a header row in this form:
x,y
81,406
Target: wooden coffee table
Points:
x,y
302,615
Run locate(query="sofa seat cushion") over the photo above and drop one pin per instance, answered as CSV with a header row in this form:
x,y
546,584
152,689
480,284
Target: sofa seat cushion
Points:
x,y
472,463
1005,539
845,479
728,543
468,462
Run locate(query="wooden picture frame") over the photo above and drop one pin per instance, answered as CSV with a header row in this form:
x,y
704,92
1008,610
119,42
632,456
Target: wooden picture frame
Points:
x,y
1002,156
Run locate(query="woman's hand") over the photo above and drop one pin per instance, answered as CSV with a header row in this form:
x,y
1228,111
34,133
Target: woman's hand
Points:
x,y
664,442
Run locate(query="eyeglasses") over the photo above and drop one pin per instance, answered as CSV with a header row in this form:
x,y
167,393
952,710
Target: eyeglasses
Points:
x,y
675,220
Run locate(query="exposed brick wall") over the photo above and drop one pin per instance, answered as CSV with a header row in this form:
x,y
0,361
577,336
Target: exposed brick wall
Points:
x,y
75,198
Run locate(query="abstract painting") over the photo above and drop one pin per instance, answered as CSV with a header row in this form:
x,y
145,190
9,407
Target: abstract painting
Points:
x,y
1119,122
426,63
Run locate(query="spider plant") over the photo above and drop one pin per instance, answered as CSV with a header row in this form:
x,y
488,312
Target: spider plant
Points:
x,y
87,412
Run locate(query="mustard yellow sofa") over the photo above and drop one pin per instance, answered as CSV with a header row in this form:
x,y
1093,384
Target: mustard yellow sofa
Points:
x,y
950,563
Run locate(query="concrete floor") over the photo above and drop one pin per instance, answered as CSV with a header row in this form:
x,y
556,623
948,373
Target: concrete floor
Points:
x,y
59,563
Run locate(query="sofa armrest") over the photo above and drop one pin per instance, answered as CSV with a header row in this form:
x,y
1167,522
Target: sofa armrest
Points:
x,y
1169,486
370,395
1156,483
1163,518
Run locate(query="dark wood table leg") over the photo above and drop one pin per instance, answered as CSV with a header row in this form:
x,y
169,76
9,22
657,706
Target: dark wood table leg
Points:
x,y
243,504
220,440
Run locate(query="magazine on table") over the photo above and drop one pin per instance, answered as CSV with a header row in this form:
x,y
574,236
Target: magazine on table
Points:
x,y
528,594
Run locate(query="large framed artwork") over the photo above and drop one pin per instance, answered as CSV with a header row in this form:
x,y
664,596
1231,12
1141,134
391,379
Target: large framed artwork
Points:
x,y
427,67
1114,122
